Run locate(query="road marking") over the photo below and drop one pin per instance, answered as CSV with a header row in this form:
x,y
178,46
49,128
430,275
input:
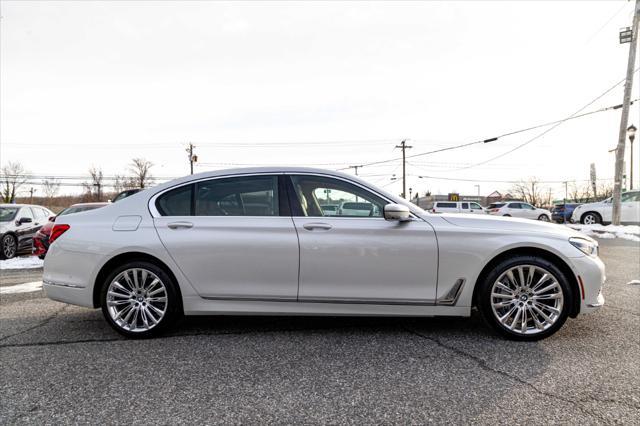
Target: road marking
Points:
x,y
22,288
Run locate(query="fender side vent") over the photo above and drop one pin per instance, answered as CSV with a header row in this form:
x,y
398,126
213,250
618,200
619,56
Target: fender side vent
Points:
x,y
452,296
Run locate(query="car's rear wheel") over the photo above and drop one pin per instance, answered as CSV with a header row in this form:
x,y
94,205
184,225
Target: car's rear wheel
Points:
x,y
139,299
9,247
543,217
590,218
525,298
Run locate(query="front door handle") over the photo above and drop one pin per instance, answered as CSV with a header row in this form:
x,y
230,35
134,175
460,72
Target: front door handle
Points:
x,y
316,225
176,225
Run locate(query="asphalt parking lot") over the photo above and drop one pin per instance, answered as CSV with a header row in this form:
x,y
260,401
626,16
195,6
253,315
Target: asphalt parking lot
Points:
x,y
63,364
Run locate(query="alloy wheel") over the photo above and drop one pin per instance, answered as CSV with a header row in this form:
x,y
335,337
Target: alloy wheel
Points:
x,y
544,218
590,219
9,246
527,299
137,300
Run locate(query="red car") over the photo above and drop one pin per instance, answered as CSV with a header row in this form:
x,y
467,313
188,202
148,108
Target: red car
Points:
x,y
41,239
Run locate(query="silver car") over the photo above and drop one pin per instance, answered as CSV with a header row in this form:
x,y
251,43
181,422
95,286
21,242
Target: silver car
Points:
x,y
256,241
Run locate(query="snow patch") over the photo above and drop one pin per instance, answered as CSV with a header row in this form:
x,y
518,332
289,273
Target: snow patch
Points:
x,y
22,288
26,262
626,232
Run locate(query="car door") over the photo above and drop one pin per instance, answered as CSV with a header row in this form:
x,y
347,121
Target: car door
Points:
x,y
232,237
529,212
25,230
359,259
630,207
514,210
476,208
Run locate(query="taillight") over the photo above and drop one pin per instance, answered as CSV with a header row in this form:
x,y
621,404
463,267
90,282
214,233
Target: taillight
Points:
x,y
57,231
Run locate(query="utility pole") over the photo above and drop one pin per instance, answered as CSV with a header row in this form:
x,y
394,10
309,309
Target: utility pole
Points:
x,y
403,145
192,158
617,181
355,168
31,191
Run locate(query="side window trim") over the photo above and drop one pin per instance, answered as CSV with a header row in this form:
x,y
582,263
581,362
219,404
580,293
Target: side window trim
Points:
x,y
156,213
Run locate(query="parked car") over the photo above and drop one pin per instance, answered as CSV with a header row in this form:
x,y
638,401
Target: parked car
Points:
x,y
355,208
457,207
601,212
519,209
329,209
41,238
126,193
561,213
18,224
149,259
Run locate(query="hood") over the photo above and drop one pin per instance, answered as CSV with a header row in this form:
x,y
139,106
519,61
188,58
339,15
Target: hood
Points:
x,y
510,224
594,204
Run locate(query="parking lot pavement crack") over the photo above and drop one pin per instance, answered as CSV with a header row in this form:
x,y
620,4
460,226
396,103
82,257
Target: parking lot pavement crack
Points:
x,y
40,324
623,310
485,366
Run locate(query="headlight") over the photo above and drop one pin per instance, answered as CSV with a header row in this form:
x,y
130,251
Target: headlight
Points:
x,y
590,248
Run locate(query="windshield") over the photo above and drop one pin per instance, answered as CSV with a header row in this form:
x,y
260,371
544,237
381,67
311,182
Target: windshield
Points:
x,y
7,214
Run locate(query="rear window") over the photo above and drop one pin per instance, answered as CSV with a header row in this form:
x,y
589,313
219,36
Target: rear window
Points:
x,y
447,205
328,208
496,205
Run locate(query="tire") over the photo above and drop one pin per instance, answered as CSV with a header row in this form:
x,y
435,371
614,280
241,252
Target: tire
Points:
x,y
8,247
133,306
506,215
544,218
591,218
543,312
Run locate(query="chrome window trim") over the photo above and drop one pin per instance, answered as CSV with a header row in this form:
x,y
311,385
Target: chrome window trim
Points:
x,y
156,214
152,201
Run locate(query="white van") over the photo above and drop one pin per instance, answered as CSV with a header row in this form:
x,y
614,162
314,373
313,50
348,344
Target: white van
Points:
x,y
457,207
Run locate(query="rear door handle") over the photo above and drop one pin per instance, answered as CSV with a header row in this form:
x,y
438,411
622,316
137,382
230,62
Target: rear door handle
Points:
x,y
176,225
316,225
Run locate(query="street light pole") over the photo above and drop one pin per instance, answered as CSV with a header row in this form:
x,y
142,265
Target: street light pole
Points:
x,y
403,145
617,181
631,132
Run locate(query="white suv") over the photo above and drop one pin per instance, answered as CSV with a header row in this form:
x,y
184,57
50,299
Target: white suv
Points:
x,y
457,207
601,211
519,209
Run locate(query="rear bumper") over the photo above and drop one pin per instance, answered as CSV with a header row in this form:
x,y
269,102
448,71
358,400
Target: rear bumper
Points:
x,y
69,276
61,292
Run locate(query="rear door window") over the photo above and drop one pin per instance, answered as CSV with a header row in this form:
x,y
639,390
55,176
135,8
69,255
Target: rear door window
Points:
x,y
237,196
465,206
514,206
447,205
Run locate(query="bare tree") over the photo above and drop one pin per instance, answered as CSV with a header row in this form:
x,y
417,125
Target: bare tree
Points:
x,y
529,191
14,176
140,169
50,188
93,189
605,190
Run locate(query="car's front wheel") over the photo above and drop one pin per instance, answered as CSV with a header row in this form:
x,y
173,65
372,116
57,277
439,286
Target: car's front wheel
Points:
x,y
139,300
590,218
9,246
525,298
544,218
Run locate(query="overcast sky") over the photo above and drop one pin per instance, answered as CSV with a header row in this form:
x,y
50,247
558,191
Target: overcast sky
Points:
x,y
313,83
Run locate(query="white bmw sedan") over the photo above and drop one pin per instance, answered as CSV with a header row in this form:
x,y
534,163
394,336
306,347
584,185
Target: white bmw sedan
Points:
x,y
257,241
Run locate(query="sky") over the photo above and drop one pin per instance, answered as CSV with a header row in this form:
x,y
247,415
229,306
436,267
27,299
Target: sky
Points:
x,y
326,84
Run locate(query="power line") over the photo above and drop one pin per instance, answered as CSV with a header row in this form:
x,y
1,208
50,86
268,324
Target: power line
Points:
x,y
554,125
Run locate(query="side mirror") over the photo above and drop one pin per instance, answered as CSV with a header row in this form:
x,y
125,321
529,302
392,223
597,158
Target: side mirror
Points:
x,y
24,220
396,212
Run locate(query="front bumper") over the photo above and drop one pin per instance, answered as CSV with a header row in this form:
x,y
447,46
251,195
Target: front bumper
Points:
x,y
590,272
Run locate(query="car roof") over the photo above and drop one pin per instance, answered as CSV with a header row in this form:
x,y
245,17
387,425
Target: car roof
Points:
x,y
22,205
89,204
